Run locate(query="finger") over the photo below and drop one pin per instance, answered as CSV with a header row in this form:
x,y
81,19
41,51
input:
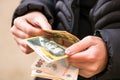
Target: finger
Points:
x,y
39,21
18,33
79,57
89,55
80,46
23,46
42,23
85,69
24,50
80,65
83,65
85,73
24,26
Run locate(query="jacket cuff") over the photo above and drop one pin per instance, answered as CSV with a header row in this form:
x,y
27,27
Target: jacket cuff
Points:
x,y
112,39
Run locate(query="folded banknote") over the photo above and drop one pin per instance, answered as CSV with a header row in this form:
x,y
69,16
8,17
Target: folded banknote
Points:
x,y
58,70
52,45
51,62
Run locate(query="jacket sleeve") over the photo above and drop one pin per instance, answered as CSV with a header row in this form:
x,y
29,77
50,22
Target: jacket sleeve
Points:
x,y
44,6
105,17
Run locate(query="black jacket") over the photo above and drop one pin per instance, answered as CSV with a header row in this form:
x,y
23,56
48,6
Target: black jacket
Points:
x,y
81,18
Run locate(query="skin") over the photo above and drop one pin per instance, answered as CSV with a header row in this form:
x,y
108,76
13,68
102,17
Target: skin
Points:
x,y
90,57
27,26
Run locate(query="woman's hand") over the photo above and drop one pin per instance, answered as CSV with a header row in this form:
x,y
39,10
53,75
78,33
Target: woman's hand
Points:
x,y
27,26
89,55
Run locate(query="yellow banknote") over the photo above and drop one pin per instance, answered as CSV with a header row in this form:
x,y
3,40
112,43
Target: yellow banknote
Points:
x,y
52,45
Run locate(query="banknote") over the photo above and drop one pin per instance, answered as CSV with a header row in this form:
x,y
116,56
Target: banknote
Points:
x,y
59,69
41,74
46,48
51,62
61,37
52,45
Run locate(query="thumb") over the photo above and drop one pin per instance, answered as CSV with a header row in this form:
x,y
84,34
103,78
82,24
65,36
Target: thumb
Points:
x,y
42,22
79,46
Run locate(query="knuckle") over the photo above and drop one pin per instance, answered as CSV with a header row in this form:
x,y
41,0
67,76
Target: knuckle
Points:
x,y
94,69
28,31
17,21
86,73
26,36
92,58
12,30
25,51
90,38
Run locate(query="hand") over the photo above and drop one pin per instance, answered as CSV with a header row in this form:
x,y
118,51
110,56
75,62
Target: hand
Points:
x,y
89,55
27,26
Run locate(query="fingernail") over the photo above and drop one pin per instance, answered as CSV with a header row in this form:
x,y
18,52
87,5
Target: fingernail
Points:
x,y
67,51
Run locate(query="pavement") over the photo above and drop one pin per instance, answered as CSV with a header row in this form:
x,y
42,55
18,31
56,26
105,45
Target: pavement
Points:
x,y
14,65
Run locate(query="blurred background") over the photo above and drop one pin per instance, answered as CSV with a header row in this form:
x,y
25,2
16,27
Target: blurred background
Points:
x,y
14,65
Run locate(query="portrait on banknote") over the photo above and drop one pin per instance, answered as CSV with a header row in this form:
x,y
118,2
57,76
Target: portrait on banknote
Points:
x,y
47,48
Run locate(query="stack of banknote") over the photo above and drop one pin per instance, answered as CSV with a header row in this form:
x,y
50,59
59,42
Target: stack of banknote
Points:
x,y
51,62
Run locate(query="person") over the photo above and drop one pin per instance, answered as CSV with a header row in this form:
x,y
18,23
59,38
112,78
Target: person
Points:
x,y
95,22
